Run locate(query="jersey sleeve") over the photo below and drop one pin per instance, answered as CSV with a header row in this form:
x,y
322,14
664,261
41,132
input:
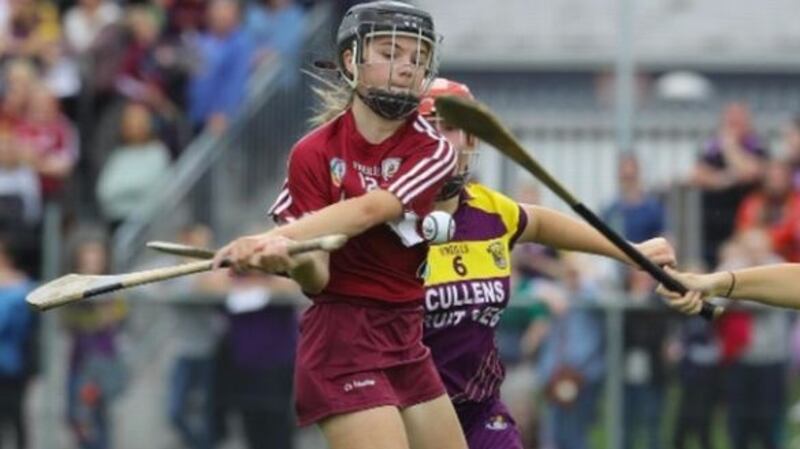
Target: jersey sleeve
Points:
x,y
305,189
519,227
514,216
420,177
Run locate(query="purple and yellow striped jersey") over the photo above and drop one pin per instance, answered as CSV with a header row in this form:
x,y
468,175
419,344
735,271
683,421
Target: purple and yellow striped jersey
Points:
x,y
467,287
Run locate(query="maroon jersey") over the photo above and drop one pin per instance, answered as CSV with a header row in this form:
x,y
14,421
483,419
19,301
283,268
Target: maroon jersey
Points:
x,y
334,162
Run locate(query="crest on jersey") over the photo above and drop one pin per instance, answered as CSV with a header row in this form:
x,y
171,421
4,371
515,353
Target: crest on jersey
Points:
x,y
497,422
389,167
497,250
338,168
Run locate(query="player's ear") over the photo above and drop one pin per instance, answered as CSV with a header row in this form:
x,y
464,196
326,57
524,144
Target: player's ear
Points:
x,y
347,58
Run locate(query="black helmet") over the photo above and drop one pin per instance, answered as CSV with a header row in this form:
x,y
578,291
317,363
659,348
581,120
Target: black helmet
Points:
x,y
385,16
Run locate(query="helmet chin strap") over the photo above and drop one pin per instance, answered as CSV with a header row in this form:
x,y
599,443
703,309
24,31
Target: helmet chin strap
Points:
x,y
389,105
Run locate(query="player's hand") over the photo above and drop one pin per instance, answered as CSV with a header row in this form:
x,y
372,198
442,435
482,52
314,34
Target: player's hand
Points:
x,y
659,251
239,252
273,255
699,285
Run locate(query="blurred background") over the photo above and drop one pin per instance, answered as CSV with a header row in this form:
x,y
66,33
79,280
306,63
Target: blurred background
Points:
x,y
128,121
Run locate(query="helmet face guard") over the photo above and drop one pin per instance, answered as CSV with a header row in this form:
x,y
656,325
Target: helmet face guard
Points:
x,y
385,23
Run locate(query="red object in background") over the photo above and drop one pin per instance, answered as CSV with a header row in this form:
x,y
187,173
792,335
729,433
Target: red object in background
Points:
x,y
734,329
52,138
784,233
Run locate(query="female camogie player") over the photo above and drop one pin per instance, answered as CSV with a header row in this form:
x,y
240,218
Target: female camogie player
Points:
x,y
774,285
468,281
362,372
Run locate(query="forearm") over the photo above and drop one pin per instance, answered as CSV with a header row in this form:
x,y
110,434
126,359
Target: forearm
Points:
x,y
561,231
350,217
775,285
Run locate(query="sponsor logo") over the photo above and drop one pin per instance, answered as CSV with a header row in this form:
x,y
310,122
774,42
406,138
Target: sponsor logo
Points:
x,y
497,422
389,167
497,250
352,385
338,169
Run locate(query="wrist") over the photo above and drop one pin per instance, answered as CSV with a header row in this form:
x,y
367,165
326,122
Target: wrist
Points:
x,y
721,283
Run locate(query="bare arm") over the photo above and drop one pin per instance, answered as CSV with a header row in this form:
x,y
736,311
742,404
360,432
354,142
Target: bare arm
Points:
x,y
350,217
775,285
552,228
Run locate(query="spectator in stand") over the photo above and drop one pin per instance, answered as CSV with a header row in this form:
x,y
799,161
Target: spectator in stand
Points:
x,y
699,383
791,141
217,88
197,325
639,216
31,26
775,207
183,17
756,378
135,169
730,166
20,203
19,79
17,350
140,77
84,22
276,27
61,75
96,374
572,364
51,140
20,198
257,360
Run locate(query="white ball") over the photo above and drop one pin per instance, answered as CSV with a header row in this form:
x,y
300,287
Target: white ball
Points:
x,y
438,227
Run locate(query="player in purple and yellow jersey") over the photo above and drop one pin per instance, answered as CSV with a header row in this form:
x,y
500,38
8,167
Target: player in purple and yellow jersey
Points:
x,y
468,281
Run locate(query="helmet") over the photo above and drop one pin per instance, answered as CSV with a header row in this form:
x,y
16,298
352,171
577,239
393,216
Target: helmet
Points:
x,y
467,151
439,88
385,18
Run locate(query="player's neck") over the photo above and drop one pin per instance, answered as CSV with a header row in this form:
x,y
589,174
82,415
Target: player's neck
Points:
x,y
374,128
449,205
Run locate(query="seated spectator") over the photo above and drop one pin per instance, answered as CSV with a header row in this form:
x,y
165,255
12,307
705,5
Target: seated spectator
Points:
x,y
791,141
17,345
134,170
51,140
84,22
276,27
775,208
20,198
217,87
31,26
730,166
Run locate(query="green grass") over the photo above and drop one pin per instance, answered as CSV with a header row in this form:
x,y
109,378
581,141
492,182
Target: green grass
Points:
x,y
791,438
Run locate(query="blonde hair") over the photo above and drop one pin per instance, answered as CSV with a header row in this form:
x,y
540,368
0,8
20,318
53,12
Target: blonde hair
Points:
x,y
333,97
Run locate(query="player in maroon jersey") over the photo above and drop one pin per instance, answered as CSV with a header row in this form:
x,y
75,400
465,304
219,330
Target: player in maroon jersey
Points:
x,y
370,171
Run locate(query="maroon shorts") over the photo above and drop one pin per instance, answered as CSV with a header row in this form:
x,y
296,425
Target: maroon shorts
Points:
x,y
359,354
